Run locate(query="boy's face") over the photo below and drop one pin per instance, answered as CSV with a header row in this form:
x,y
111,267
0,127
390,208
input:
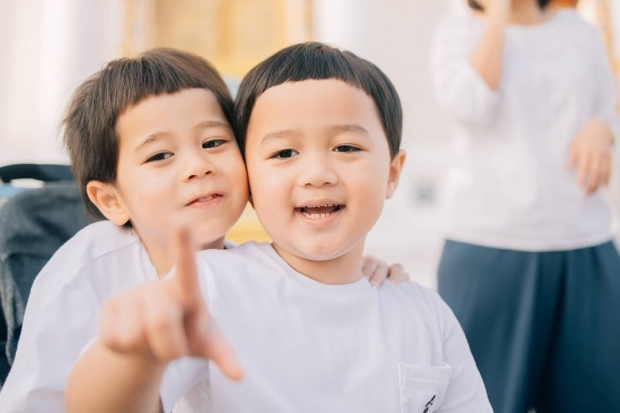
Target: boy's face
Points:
x,y
319,168
179,164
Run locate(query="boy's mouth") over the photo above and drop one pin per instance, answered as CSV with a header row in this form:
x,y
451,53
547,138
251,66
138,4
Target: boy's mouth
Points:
x,y
320,211
204,200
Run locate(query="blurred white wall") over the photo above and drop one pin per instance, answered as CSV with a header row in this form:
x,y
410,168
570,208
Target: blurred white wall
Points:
x,y
48,49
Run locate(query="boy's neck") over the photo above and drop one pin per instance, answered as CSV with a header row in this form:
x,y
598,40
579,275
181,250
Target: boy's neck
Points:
x,y
345,269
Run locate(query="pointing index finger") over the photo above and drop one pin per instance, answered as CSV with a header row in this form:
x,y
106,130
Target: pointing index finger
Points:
x,y
186,274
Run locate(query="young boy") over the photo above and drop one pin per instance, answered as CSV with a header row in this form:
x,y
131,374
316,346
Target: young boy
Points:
x,y
320,130
151,147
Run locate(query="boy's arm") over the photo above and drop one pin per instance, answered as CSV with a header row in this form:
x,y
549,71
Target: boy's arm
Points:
x,y
465,82
141,332
107,381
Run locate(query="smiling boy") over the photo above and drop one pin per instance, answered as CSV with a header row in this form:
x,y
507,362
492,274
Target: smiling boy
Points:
x,y
152,147
320,130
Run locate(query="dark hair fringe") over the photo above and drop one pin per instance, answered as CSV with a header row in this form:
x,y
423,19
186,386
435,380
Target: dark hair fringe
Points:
x,y
317,61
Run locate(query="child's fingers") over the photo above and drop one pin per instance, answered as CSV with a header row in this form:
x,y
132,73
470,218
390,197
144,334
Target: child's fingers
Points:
x,y
107,324
186,274
369,265
121,325
583,167
165,327
214,346
380,273
397,274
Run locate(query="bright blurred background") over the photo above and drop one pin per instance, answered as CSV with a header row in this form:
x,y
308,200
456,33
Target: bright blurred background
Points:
x,y
48,47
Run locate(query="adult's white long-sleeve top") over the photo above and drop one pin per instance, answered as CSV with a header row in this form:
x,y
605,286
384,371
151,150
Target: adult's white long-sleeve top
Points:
x,y
511,187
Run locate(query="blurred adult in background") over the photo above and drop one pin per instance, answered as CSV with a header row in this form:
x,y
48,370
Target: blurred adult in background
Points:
x,y
528,266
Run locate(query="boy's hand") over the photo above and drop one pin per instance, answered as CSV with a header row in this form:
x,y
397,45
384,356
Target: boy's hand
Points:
x,y
168,319
377,271
590,153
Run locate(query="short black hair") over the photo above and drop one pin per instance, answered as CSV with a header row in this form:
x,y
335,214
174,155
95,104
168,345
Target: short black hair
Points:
x,y
89,123
476,6
318,61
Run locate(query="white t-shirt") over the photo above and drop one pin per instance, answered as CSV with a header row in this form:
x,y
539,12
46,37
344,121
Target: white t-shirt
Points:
x,y
312,347
510,187
62,314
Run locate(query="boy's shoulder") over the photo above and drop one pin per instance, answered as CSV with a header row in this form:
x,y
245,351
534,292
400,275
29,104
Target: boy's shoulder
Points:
x,y
92,242
417,292
253,258
423,299
97,241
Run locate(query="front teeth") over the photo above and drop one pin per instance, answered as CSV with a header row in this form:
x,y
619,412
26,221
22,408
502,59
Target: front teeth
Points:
x,y
205,199
314,216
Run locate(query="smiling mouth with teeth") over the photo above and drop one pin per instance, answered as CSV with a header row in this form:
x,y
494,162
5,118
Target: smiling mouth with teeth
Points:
x,y
319,212
203,199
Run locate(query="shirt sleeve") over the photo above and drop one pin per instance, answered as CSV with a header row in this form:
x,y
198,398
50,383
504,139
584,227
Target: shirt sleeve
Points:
x,y
458,86
604,107
466,392
59,321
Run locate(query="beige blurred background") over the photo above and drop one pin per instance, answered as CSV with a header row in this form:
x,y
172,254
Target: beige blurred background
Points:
x,y
48,47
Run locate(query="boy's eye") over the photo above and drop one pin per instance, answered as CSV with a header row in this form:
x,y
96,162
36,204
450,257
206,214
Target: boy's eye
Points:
x,y
346,148
213,143
285,154
159,157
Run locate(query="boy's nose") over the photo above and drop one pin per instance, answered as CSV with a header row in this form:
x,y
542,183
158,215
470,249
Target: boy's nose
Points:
x,y
318,172
197,166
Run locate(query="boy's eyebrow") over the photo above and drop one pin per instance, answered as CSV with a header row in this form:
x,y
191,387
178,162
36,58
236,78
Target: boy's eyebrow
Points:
x,y
202,125
213,124
279,134
354,127
152,138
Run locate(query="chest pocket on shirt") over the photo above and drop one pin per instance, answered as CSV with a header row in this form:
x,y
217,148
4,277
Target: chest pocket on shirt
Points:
x,y
422,388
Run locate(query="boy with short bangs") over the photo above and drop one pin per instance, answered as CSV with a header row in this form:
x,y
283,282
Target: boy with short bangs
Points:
x,y
320,130
151,147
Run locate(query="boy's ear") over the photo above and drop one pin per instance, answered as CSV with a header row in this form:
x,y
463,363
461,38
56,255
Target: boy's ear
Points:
x,y
106,197
396,168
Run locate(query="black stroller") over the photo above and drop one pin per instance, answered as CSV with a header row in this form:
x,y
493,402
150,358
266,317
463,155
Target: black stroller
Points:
x,y
34,223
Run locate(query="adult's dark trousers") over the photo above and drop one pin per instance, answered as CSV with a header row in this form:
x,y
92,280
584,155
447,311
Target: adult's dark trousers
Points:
x,y
543,327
